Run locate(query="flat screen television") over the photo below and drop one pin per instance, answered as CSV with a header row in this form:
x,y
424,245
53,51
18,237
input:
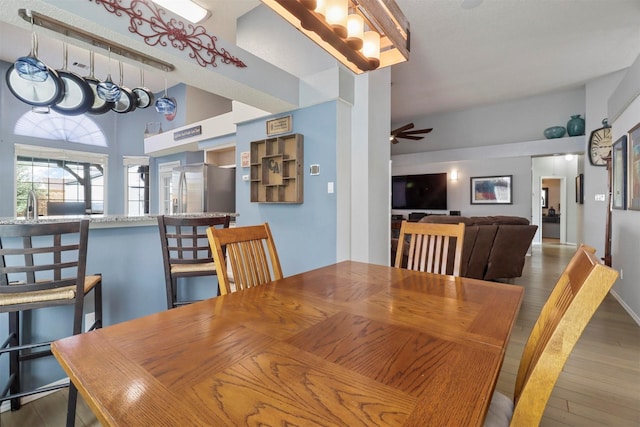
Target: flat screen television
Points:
x,y
426,191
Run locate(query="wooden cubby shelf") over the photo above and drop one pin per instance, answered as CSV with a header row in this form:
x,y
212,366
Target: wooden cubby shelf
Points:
x,y
276,169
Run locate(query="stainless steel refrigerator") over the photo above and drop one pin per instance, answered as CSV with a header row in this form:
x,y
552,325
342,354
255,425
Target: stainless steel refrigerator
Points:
x,y
203,188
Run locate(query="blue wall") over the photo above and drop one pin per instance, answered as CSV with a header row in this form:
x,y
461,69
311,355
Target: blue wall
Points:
x,y
305,234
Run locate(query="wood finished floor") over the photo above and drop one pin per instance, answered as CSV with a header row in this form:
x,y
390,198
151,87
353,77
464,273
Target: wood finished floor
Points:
x,y
600,384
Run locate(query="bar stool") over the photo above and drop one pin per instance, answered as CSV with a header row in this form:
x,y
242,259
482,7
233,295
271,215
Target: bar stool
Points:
x,y
186,251
43,265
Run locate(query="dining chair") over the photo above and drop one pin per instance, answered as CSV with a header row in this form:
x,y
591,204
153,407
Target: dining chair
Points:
x,y
186,251
246,251
574,299
434,248
43,265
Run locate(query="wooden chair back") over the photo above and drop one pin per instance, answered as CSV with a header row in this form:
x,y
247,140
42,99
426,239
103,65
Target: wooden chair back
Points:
x,y
246,249
576,296
186,251
429,246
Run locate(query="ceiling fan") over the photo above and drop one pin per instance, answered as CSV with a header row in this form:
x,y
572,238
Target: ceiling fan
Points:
x,y
405,133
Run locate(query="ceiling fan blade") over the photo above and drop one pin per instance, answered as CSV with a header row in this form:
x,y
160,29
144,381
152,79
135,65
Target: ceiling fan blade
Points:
x,y
412,132
402,128
415,138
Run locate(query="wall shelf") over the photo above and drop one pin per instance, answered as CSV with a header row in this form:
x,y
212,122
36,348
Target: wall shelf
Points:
x,y
276,169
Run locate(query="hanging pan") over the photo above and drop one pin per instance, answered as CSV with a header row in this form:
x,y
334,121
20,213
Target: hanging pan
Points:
x,y
127,100
36,84
78,96
143,95
100,106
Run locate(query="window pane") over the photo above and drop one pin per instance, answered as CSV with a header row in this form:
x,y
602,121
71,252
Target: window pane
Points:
x,y
58,181
137,190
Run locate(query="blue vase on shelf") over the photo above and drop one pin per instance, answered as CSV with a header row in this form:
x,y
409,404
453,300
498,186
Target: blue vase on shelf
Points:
x,y
575,126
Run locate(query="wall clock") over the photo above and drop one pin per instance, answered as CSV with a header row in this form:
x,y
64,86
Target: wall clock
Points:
x,y
600,145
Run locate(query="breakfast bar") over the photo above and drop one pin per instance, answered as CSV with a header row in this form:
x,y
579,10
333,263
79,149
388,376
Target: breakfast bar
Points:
x,y
126,250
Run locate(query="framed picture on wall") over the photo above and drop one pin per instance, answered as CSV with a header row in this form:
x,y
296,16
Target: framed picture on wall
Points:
x,y
619,173
633,170
544,202
580,189
492,190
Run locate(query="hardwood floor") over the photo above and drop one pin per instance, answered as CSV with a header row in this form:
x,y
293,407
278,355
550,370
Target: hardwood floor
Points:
x,y
600,384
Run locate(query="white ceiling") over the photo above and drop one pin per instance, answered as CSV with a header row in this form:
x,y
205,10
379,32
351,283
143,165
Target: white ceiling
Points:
x,y
460,58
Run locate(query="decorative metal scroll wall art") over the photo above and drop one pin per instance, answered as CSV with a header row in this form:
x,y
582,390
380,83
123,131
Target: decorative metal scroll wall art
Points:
x,y
149,22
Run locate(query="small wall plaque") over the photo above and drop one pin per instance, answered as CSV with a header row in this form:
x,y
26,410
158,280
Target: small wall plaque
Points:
x,y
279,125
187,133
245,159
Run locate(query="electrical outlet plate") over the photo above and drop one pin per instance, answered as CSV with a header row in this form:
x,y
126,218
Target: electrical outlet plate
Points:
x,y
89,318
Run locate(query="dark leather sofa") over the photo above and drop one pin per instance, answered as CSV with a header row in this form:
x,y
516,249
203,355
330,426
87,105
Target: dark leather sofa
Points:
x,y
494,246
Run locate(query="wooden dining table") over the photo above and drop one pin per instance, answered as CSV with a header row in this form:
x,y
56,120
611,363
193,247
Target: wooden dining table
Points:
x,y
349,344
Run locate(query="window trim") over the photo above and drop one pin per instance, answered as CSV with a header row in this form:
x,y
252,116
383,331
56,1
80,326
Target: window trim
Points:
x,y
38,151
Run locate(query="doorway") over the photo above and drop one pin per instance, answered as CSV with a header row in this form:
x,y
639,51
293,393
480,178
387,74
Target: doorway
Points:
x,y
556,174
553,220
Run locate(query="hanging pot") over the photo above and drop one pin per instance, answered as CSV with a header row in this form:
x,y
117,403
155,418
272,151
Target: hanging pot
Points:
x,y
144,96
78,96
32,82
127,101
100,106
34,93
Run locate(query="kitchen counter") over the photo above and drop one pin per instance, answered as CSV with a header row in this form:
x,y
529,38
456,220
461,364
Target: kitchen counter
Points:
x,y
106,221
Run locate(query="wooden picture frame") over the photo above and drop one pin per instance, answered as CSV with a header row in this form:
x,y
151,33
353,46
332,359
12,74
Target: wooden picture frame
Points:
x,y
544,201
580,189
633,168
619,173
492,190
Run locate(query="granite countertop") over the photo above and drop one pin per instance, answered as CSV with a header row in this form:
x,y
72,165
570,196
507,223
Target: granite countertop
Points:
x,y
106,220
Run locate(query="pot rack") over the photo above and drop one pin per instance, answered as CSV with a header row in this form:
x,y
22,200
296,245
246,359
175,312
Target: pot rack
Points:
x,y
60,27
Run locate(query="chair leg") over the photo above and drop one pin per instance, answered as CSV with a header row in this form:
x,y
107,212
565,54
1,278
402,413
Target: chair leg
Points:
x,y
98,303
14,358
172,293
71,405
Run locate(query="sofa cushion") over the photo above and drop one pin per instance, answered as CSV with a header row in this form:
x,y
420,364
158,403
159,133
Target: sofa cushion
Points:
x,y
499,220
444,219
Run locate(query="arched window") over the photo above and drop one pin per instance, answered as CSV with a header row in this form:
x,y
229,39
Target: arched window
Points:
x,y
80,129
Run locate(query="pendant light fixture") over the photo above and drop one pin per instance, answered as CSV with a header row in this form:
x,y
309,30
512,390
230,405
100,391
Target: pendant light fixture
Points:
x,y
165,105
30,67
108,90
362,34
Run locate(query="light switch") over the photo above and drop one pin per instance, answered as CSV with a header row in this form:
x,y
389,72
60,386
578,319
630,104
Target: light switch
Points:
x,y
330,187
600,198
245,177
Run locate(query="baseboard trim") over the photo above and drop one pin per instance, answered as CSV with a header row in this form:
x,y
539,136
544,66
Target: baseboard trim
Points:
x,y
628,309
6,405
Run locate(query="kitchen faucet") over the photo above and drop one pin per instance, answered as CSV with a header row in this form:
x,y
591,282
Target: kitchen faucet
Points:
x,y
32,205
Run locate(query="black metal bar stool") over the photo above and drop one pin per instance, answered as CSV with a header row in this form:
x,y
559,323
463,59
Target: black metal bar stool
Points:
x,y
43,265
186,251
